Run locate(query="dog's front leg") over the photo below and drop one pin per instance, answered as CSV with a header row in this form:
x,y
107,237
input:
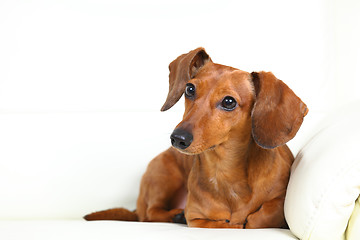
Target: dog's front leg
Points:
x,y
269,215
160,186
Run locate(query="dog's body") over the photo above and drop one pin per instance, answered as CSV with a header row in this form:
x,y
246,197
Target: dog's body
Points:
x,y
231,163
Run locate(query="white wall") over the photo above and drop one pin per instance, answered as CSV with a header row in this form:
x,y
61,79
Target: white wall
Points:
x,y
343,51
105,55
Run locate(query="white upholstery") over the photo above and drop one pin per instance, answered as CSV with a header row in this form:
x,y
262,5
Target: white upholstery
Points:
x,y
57,167
112,230
64,165
325,179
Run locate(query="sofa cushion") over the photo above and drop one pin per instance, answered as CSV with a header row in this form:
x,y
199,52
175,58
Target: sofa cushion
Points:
x,y
109,230
325,179
66,165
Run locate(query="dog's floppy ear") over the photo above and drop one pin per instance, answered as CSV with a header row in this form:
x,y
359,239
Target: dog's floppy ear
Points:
x,y
277,113
182,69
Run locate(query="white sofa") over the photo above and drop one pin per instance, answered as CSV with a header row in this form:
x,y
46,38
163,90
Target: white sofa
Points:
x,y
57,167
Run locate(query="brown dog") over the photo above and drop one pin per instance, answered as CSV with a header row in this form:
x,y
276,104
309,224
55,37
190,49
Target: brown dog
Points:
x,y
229,153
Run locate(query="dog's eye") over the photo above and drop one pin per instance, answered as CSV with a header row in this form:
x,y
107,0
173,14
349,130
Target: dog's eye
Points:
x,y
190,90
228,103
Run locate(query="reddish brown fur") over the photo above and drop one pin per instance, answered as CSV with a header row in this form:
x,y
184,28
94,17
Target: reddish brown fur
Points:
x,y
237,168
113,214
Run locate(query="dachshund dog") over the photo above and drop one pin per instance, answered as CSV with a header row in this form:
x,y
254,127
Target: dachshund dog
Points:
x,y
228,160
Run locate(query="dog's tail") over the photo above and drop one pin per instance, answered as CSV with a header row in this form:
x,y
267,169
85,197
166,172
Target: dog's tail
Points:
x,y
120,214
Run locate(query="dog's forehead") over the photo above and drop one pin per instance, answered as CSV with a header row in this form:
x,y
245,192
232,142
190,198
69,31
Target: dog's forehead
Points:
x,y
218,75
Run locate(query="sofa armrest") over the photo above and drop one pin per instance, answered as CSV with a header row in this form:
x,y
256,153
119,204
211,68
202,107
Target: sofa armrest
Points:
x,y
353,229
325,180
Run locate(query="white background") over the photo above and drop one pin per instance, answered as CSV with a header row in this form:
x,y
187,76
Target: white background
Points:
x,y
77,76
106,55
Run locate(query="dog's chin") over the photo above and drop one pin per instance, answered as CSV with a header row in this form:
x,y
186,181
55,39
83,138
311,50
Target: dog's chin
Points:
x,y
195,151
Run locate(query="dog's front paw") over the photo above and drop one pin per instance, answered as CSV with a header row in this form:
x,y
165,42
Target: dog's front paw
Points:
x,y
179,218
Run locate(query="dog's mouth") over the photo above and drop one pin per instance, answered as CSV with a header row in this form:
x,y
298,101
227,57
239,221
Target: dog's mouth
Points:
x,y
195,150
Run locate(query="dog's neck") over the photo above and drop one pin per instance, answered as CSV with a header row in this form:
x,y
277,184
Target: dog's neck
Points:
x,y
227,158
231,161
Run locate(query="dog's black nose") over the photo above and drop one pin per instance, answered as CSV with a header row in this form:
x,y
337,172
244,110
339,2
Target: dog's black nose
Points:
x,y
181,139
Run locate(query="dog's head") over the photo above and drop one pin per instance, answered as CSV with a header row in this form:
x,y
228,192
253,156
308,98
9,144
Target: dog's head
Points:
x,y
223,103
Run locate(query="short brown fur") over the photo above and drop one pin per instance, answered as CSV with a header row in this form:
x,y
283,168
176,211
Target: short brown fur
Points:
x,y
236,170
